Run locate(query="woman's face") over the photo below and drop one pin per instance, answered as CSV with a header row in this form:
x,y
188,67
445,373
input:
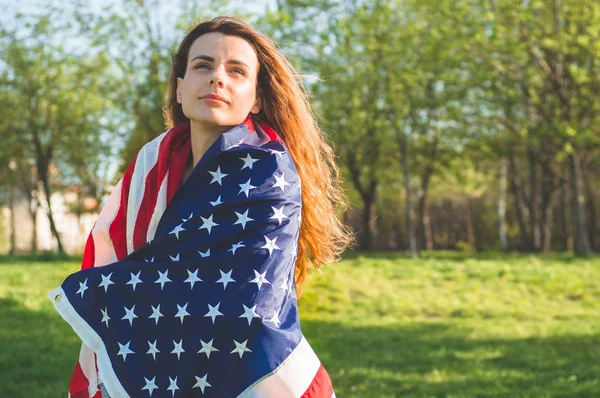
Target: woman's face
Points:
x,y
219,86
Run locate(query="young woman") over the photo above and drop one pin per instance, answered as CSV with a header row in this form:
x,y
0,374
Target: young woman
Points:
x,y
191,274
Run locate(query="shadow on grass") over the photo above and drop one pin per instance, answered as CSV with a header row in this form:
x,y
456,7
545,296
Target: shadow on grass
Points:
x,y
38,351
440,360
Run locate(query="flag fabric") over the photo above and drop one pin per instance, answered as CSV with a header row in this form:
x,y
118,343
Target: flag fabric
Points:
x,y
188,291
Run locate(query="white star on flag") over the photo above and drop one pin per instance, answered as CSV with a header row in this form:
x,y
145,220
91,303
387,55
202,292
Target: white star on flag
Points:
x,y
248,162
177,230
216,202
204,254
124,350
242,219
189,218
178,348
149,261
150,385
129,315
163,278
278,214
275,319
236,246
246,187
294,250
173,386
106,282
259,279
82,287
225,278
283,285
152,350
135,279
182,312
208,223
201,383
270,245
156,315
192,278
176,258
281,182
249,314
105,317
207,348
240,348
213,312
217,176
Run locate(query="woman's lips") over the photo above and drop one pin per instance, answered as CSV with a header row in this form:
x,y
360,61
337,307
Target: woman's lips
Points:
x,y
214,99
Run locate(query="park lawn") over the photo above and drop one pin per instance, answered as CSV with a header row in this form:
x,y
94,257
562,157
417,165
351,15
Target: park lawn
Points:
x,y
382,324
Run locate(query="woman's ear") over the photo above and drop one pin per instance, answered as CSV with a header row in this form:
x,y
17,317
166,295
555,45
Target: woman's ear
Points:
x,y
179,84
257,104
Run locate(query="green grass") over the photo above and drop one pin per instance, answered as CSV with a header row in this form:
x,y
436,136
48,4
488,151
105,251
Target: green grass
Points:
x,y
383,325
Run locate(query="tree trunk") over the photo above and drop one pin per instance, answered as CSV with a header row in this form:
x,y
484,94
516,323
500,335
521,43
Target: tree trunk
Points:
x,y
582,243
368,195
533,202
548,221
366,235
565,215
427,228
13,223
515,187
424,233
591,211
502,206
412,243
469,224
33,212
548,198
45,184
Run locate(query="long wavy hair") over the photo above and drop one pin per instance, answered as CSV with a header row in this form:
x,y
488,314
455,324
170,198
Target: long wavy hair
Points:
x,y
286,108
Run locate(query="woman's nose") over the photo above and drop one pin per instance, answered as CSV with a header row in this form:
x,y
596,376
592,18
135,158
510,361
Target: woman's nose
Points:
x,y
220,76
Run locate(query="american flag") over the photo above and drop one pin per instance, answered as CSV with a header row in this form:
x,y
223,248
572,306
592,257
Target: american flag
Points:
x,y
188,291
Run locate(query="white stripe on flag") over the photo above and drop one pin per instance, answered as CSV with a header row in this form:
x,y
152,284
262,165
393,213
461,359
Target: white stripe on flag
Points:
x,y
88,367
291,379
104,252
146,159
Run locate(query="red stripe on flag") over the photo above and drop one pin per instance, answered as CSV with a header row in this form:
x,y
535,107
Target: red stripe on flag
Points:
x,y
88,253
321,386
78,388
273,136
176,160
176,144
117,229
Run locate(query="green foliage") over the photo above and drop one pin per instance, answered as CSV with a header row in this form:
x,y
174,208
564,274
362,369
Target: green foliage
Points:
x,y
56,105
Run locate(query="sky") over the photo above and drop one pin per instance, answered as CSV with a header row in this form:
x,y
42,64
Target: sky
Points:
x,y
10,7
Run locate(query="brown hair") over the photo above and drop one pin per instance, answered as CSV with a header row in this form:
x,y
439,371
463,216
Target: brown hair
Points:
x,y
285,107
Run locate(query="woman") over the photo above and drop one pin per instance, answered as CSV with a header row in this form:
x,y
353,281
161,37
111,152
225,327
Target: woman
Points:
x,y
189,278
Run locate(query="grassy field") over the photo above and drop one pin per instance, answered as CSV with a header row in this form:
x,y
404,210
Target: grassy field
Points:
x,y
383,325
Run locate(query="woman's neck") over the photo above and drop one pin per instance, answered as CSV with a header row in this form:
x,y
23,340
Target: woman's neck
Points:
x,y
202,137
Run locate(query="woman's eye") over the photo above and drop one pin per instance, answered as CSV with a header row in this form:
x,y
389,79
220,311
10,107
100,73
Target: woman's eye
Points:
x,y
239,71
202,65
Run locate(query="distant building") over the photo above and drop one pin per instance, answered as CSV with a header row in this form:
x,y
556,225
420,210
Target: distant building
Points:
x,y
73,230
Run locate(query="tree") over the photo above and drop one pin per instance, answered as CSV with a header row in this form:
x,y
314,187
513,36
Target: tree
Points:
x,y
60,99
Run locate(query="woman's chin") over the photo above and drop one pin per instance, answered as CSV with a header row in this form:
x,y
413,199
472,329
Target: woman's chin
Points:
x,y
215,120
